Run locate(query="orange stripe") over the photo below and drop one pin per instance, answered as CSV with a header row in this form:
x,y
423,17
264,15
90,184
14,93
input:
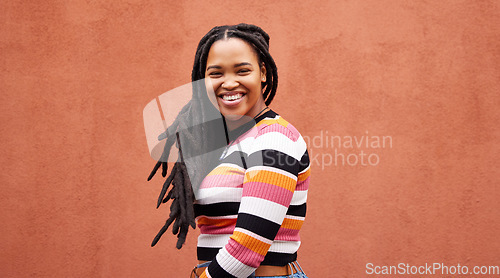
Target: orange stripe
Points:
x,y
280,121
293,224
251,243
271,178
226,170
304,176
216,222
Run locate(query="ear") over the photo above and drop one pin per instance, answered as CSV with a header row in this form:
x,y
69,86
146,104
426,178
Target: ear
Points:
x,y
263,72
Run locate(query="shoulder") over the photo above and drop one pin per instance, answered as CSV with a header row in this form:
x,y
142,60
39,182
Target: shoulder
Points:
x,y
277,134
274,123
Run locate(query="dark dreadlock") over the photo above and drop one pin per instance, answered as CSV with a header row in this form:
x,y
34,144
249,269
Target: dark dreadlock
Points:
x,y
189,123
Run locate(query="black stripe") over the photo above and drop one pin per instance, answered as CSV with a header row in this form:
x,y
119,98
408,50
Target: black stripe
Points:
x,y
217,209
304,161
272,258
276,159
258,225
279,259
269,114
207,253
297,210
216,270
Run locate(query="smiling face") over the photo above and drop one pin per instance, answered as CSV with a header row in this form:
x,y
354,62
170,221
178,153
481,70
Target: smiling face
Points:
x,y
234,73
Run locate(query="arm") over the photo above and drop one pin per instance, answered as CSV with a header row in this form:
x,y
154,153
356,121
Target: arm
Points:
x,y
268,187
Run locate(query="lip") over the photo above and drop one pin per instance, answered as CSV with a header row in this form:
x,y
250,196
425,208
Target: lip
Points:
x,y
230,103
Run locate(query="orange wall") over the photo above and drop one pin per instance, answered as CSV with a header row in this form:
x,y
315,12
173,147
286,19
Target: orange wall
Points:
x,y
75,76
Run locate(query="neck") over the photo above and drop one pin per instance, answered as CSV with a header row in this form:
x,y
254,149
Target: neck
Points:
x,y
234,124
256,111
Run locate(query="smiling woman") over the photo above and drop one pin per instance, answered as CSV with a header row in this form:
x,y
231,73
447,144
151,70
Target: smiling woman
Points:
x,y
250,202
236,75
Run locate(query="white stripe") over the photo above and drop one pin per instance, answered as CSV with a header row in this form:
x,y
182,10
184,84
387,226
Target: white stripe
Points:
x,y
293,217
231,165
272,169
299,197
213,241
263,208
219,241
243,146
212,195
280,142
232,265
288,247
271,118
254,235
218,194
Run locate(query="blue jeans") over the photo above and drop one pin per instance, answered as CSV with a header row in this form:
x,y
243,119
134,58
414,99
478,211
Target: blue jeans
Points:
x,y
294,268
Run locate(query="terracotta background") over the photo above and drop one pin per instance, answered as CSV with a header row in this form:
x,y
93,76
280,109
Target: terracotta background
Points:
x,y
75,76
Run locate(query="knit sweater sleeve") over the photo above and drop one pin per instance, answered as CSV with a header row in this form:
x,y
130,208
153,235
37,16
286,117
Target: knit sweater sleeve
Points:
x,y
273,165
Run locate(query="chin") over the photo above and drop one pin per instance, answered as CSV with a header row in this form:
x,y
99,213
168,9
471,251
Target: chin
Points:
x,y
232,117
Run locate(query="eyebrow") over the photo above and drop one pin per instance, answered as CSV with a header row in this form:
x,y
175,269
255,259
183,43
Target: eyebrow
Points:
x,y
237,65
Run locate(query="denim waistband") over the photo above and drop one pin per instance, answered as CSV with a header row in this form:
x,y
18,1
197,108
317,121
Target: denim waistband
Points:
x,y
295,269
203,265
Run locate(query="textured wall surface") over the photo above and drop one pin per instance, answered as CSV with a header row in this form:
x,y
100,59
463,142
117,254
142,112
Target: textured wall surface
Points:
x,y
422,75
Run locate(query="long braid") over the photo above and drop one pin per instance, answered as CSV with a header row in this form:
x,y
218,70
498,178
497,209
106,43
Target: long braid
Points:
x,y
192,115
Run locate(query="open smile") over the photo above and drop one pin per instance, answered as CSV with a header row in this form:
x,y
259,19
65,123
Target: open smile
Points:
x,y
231,98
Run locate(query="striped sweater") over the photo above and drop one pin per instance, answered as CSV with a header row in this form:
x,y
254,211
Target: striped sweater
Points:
x,y
251,207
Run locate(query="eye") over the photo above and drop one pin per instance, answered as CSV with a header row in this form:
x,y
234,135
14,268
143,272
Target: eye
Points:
x,y
215,74
244,71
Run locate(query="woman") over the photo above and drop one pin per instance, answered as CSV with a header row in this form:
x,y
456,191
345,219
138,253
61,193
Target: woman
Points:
x,y
251,204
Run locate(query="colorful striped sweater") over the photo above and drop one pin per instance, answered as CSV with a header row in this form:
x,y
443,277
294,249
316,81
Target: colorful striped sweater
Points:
x,y
251,207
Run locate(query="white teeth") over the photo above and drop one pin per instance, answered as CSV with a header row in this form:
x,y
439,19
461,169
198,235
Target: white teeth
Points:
x,y
233,97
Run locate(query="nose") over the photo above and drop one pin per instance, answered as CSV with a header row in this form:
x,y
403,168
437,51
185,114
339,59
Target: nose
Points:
x,y
230,83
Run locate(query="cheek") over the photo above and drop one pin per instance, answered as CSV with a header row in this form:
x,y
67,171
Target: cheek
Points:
x,y
253,82
210,86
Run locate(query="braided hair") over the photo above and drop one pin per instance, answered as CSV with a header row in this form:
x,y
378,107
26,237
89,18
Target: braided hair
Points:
x,y
190,123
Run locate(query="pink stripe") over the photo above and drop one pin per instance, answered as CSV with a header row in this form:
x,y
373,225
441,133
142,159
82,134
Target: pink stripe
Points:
x,y
235,181
249,134
216,230
269,192
303,185
243,254
289,131
287,235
